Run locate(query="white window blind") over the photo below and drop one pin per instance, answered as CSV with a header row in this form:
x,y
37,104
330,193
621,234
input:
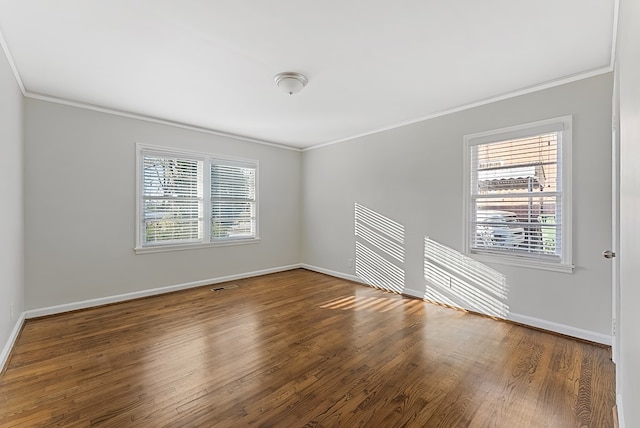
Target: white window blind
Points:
x,y
174,211
517,194
233,200
172,199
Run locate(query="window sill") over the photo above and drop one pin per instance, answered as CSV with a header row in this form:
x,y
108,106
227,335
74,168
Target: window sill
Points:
x,y
181,247
523,262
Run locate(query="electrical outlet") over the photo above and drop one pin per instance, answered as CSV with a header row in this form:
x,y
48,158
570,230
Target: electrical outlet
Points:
x,y
350,263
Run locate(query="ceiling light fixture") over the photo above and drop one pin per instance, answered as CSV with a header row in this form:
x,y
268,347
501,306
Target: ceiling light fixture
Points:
x,y
290,82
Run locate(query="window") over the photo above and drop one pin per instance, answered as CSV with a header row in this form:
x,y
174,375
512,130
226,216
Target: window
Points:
x,y
518,195
188,200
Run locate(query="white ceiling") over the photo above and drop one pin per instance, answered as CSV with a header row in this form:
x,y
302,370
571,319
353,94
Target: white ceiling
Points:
x,y
371,64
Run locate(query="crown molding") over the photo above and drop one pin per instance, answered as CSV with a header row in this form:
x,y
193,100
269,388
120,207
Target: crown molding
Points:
x,y
121,113
12,64
505,96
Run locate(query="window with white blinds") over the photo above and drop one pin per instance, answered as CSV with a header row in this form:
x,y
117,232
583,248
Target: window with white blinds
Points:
x,y
192,199
233,200
171,199
518,194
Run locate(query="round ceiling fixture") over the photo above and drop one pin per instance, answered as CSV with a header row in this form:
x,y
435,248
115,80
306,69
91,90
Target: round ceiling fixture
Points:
x,y
290,82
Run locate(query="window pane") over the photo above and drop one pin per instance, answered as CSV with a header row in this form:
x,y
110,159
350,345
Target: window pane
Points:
x,y
233,182
521,225
176,230
527,164
516,195
172,177
233,190
172,200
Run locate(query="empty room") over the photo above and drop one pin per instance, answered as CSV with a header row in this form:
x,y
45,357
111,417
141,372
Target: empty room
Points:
x,y
319,214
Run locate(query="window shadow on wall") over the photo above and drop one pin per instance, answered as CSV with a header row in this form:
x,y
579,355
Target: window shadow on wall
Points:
x,y
380,250
457,280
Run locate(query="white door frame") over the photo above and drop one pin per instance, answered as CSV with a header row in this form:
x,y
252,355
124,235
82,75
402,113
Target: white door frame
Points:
x,y
615,216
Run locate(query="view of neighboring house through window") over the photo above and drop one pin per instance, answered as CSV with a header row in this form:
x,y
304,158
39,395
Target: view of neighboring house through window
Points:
x,y
519,192
173,211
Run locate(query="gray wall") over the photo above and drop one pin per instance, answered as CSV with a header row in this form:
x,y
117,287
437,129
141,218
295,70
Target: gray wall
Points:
x,y
11,189
80,207
413,176
628,56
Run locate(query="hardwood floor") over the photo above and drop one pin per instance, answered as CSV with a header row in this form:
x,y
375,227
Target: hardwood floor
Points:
x,y
299,349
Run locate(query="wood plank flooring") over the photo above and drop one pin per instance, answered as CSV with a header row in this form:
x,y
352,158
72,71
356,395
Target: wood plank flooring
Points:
x,y
298,349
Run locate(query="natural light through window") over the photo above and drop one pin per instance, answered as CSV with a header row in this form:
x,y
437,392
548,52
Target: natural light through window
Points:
x,y
172,199
379,249
172,210
457,280
374,304
518,193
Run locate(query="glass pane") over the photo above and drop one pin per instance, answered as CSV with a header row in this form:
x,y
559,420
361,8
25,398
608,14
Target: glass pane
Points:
x,y
172,177
516,199
233,193
172,208
233,182
516,166
232,219
518,224
168,230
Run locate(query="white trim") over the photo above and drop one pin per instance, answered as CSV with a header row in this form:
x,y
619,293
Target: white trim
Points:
x,y
615,216
614,36
6,351
513,94
522,130
502,97
522,262
334,273
508,95
12,64
413,293
560,328
151,119
566,160
181,247
405,291
52,310
192,153
521,319
619,402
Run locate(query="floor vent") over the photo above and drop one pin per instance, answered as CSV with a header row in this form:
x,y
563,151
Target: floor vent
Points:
x,y
224,287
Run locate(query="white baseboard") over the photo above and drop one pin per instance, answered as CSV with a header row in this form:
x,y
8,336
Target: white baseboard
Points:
x,y
620,411
408,291
414,293
6,351
561,328
521,319
51,310
332,273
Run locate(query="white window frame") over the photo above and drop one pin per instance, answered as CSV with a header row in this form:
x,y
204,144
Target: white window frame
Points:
x,y
564,126
208,159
